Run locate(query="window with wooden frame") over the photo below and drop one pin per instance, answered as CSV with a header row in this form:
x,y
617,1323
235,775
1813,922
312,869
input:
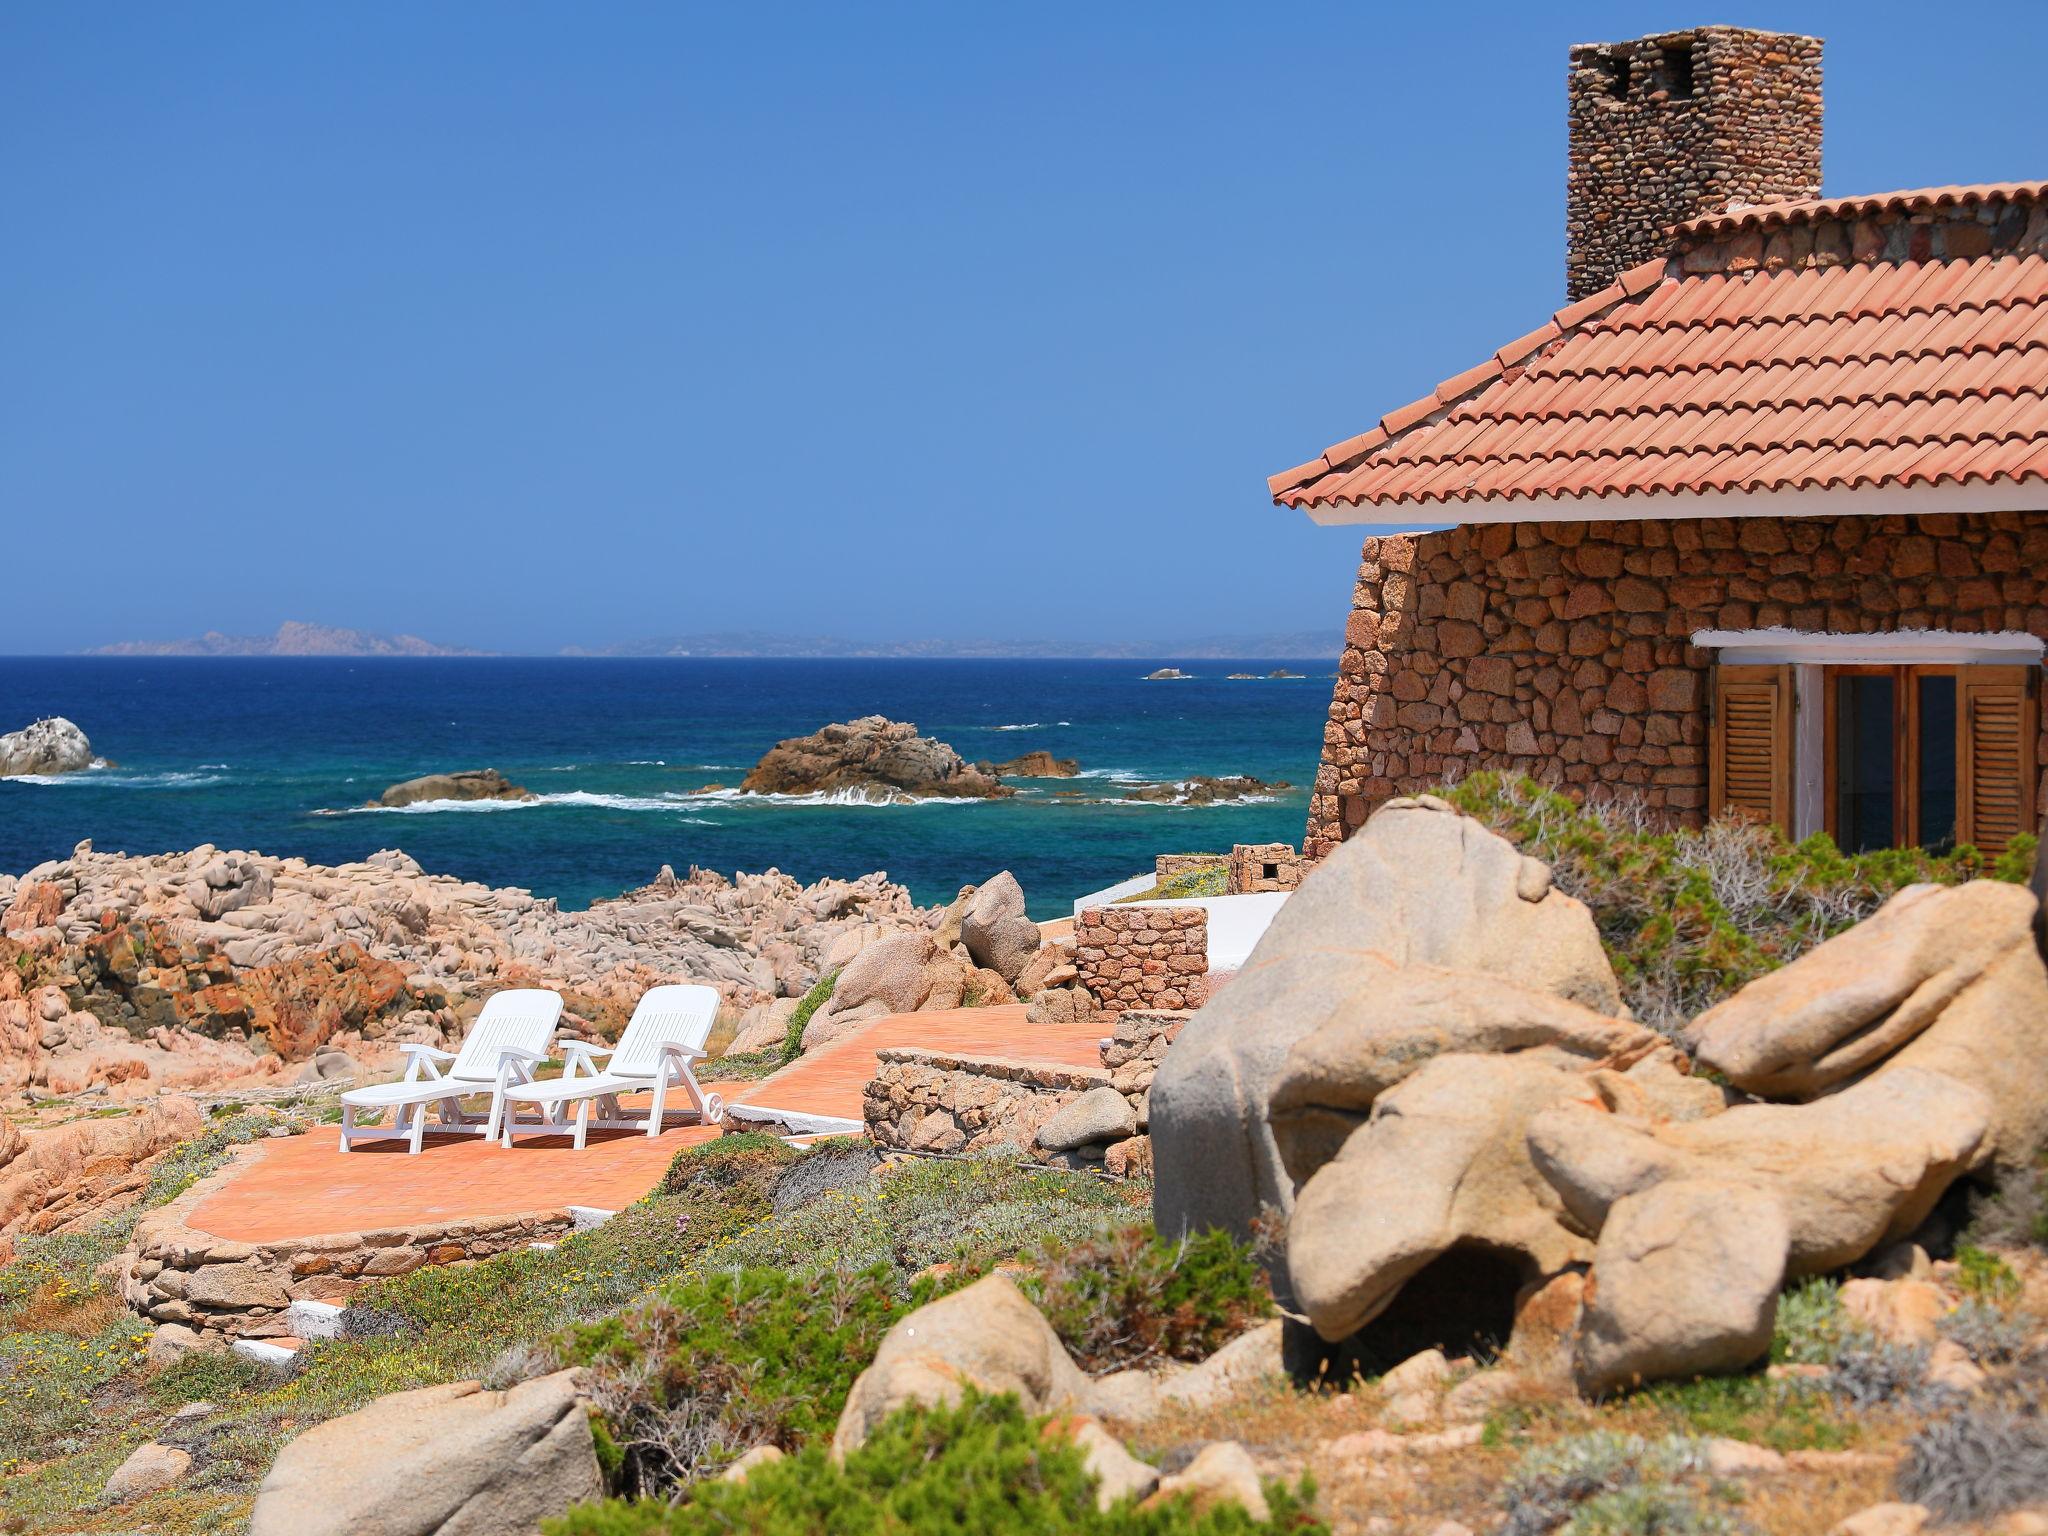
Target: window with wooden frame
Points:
x,y
1914,756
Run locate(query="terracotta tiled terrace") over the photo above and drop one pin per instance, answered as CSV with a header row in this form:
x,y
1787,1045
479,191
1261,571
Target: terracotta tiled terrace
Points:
x,y
302,1186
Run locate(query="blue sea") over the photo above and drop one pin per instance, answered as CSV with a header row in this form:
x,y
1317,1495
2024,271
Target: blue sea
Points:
x,y
279,755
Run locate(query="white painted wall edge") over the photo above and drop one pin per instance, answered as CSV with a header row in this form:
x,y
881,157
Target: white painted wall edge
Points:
x,y
1901,647
314,1319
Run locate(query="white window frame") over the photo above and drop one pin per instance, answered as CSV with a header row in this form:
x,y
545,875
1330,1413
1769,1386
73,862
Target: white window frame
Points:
x,y
1809,654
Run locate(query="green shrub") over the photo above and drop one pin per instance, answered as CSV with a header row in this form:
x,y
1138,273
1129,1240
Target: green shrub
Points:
x,y
708,1366
1127,1296
740,1168
1689,917
813,1000
207,1376
1554,1484
1782,1415
1983,1274
981,1467
1811,1323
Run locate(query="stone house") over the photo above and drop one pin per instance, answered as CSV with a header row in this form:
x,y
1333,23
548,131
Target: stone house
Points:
x,y
1757,521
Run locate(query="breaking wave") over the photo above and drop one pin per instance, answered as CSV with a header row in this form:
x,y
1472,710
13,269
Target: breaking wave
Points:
x,y
101,777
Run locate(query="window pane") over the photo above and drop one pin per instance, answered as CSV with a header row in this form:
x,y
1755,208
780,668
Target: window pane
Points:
x,y
1937,807
1865,712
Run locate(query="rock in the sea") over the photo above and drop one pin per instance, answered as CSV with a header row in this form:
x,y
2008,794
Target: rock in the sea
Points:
x,y
1035,765
996,931
52,745
1167,675
874,757
466,784
1419,884
987,1336
442,1459
1202,789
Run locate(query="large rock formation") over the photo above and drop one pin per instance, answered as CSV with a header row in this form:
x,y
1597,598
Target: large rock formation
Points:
x,y
67,1176
463,784
1419,885
873,758
442,1459
193,969
1423,1067
52,745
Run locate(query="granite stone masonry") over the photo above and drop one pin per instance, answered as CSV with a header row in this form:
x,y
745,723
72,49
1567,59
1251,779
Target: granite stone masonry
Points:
x,y
1668,127
1562,650
1165,866
1143,957
175,1273
1257,867
942,1102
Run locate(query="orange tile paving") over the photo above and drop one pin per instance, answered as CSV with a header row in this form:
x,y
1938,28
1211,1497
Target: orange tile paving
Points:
x,y
302,1186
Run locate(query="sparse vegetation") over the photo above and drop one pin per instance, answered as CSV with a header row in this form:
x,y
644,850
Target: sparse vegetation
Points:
x,y
1127,1296
1689,917
1204,880
1977,1463
982,1466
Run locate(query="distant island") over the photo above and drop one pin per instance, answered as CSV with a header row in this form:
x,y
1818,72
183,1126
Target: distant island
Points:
x,y
292,639
1299,646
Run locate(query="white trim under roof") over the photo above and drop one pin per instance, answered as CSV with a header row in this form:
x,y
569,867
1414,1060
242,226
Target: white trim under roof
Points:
x,y
1901,647
1668,506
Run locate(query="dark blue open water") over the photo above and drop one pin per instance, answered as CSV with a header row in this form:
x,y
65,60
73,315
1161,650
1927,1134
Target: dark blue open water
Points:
x,y
260,753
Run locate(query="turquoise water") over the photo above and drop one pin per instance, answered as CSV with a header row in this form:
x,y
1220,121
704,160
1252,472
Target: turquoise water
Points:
x,y
278,755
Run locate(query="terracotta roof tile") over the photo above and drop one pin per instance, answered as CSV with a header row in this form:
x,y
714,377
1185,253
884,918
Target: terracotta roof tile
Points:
x,y
1861,374
1915,200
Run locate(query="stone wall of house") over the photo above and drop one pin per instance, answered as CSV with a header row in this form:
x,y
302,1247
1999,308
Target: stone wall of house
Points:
x,y
1562,650
1668,127
1165,866
173,1272
1143,957
1256,867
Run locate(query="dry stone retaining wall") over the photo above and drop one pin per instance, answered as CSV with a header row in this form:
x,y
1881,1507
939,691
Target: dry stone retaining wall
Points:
x,y
1143,957
936,1101
173,1272
1256,867
1563,650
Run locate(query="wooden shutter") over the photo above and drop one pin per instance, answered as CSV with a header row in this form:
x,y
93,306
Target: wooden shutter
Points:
x,y
1750,758
1995,730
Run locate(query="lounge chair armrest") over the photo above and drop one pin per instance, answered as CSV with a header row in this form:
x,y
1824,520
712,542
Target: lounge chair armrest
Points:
x,y
421,1058
514,1053
586,1050
686,1052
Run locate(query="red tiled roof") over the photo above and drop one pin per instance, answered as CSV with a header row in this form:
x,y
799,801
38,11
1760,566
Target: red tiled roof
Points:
x,y
1916,200
1846,376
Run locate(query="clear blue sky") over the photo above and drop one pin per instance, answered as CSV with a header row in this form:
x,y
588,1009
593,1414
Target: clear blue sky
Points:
x,y
521,325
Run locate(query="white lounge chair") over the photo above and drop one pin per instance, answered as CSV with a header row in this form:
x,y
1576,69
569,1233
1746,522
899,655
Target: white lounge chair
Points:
x,y
654,1055
509,1039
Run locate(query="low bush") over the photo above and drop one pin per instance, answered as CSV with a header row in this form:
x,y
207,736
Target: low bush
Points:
x,y
1589,1475
207,1376
971,1212
1868,1373
982,1467
1983,1274
1781,1415
709,1366
1126,1296
1989,1334
1689,917
811,1002
1811,1323
1976,1464
2014,1213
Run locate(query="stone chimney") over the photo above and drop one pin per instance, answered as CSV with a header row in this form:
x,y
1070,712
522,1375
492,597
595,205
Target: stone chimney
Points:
x,y
1680,124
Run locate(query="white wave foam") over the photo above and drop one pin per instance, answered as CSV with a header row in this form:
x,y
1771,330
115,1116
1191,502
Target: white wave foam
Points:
x,y
100,777
1120,775
844,797
573,797
645,762
1029,726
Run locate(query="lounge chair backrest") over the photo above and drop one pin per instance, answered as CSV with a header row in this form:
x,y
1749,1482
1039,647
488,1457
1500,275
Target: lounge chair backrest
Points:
x,y
523,1019
681,1015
